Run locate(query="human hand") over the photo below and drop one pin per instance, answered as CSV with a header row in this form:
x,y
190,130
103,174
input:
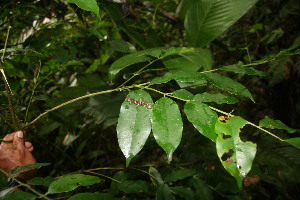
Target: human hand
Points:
x,y
17,153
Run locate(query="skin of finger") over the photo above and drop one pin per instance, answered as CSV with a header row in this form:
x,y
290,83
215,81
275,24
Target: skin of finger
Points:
x,y
29,146
19,143
9,136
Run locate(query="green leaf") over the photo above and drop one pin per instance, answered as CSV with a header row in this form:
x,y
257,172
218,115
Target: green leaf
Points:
x,y
167,125
202,117
121,46
183,94
294,141
203,191
19,196
134,187
228,85
190,61
41,181
218,98
239,69
206,20
275,124
179,174
163,192
155,176
133,58
235,155
180,76
25,168
92,196
89,5
183,192
71,182
134,124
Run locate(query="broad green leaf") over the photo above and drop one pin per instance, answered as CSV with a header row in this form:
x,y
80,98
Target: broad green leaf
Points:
x,y
239,69
294,141
163,192
167,125
41,181
202,117
203,191
134,124
228,85
206,20
190,61
25,168
180,76
179,174
183,94
134,186
235,155
71,182
155,176
267,122
121,46
89,5
20,196
92,196
183,192
218,98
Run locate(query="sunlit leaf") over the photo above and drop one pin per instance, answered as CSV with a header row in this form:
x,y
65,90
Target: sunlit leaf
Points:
x,y
89,5
71,182
235,155
167,125
202,117
228,85
218,98
206,20
294,141
267,122
134,124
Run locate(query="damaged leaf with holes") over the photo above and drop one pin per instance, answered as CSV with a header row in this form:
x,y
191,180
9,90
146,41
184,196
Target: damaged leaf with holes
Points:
x,y
236,156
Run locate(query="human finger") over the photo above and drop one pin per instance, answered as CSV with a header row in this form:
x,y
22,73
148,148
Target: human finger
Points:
x,y
29,146
18,140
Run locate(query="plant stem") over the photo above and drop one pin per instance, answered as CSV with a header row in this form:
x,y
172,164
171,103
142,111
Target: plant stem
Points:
x,y
5,44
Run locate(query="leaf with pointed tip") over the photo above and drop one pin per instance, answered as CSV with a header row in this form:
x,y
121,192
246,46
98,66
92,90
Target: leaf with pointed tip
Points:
x,y
89,5
294,141
202,117
218,98
267,122
239,69
206,19
134,124
167,125
228,85
155,176
235,155
25,168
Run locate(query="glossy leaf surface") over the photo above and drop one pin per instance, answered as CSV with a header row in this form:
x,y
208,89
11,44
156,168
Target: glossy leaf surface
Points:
x,y
228,85
167,125
134,124
71,182
206,19
235,155
294,141
202,117
218,98
267,122
89,5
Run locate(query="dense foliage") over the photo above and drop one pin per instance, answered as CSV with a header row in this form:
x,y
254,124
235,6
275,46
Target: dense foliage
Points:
x,y
167,84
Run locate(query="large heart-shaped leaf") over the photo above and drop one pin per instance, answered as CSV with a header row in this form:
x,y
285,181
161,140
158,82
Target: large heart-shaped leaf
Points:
x,y
236,156
206,19
134,124
167,125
